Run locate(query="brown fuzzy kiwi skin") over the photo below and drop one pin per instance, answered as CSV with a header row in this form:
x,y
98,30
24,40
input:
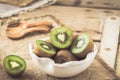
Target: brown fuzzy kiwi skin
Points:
x,y
75,35
87,50
63,56
15,76
40,53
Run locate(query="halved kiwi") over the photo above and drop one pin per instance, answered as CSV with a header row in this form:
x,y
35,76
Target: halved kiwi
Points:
x,y
82,45
61,37
64,56
14,65
44,49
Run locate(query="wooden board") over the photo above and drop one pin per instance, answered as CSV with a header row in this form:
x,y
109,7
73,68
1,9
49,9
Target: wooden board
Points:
x,y
109,4
109,41
118,62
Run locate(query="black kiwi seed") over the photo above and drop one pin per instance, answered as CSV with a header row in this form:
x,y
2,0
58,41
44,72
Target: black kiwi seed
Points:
x,y
14,65
64,56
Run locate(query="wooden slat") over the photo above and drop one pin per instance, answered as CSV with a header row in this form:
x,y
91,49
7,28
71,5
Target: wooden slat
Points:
x,y
118,62
66,2
109,42
112,4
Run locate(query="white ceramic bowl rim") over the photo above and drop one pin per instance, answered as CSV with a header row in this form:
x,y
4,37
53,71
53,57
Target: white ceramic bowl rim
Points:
x,y
87,58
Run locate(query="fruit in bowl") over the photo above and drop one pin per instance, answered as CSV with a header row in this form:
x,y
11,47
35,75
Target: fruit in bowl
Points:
x,y
62,54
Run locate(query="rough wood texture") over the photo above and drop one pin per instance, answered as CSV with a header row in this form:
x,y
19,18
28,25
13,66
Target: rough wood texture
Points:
x,y
109,41
118,62
113,4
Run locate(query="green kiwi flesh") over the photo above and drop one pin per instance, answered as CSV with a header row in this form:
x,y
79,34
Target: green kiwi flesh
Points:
x,y
44,49
14,65
61,37
82,45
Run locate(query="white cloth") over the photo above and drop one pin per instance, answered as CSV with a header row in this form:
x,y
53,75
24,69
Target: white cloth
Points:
x,y
7,10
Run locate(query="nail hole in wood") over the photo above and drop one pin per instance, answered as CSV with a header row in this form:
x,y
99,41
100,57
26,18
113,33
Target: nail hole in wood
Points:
x,y
88,10
107,49
89,2
106,3
113,18
107,12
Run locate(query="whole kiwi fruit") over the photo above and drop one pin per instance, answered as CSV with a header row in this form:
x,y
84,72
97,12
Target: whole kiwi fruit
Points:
x,y
64,56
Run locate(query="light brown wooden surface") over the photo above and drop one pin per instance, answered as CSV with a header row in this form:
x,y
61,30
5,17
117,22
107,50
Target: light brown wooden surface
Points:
x,y
118,62
109,40
79,19
112,4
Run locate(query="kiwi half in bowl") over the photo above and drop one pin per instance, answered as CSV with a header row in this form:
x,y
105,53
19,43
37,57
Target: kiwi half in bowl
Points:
x,y
44,49
14,65
82,45
61,37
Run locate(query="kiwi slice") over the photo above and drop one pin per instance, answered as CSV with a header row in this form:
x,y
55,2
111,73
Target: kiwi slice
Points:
x,y
44,49
61,37
82,45
14,65
64,56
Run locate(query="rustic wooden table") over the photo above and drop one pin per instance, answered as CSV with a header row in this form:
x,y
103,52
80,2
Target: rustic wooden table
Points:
x,y
96,22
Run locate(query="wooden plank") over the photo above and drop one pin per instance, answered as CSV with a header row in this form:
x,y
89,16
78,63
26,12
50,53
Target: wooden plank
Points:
x,y
112,4
118,63
109,41
65,2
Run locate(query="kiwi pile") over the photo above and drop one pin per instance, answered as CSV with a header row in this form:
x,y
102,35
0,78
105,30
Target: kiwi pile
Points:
x,y
64,46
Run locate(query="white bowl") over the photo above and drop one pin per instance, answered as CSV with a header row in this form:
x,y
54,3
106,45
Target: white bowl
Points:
x,y
67,69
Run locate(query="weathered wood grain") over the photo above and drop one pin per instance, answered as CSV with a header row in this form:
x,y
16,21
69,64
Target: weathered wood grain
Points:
x,y
118,62
109,41
112,4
